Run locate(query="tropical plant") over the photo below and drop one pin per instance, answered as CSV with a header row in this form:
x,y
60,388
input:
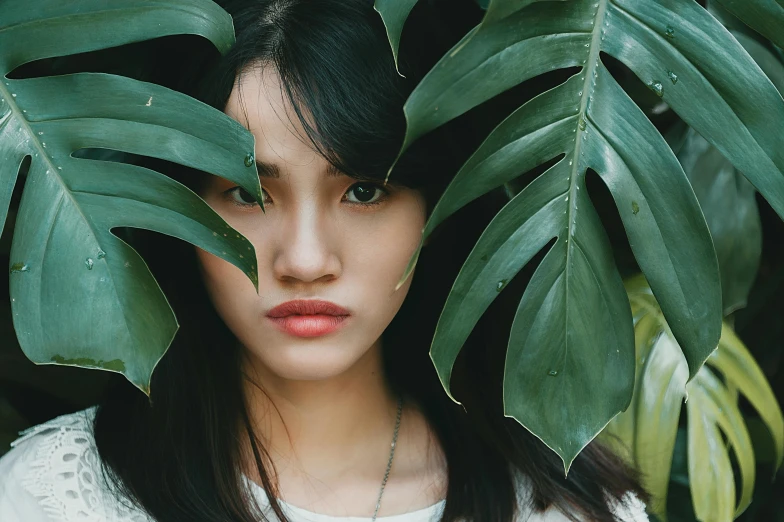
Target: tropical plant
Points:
x,y
570,359
647,429
81,295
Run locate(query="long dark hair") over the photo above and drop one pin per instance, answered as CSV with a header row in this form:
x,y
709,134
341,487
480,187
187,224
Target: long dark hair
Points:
x,y
176,455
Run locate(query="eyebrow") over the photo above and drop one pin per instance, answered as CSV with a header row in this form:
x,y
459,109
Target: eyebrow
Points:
x,y
270,170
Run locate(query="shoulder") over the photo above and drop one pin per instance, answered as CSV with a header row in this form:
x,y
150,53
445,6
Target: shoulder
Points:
x,y
630,509
53,472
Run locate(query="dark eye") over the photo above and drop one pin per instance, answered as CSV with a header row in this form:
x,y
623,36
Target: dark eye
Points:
x,y
364,193
240,196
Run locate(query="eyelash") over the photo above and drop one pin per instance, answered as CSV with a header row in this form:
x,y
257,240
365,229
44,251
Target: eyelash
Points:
x,y
384,193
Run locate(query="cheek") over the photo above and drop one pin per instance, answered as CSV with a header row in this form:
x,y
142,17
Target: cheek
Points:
x,y
405,234
226,285
384,254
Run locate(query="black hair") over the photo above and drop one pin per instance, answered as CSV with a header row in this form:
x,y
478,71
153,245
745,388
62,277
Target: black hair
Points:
x,y
177,455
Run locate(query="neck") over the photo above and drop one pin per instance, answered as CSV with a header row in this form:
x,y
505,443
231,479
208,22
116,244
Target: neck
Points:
x,y
327,428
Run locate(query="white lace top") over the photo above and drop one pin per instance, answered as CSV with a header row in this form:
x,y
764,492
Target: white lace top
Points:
x,y
53,473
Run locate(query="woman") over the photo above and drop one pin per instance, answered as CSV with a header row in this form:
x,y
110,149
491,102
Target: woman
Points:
x,y
314,400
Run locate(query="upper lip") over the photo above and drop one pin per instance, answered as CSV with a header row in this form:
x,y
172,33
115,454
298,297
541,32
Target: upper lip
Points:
x,y
307,307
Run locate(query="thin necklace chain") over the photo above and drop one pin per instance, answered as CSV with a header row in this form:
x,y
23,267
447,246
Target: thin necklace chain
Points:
x,y
391,456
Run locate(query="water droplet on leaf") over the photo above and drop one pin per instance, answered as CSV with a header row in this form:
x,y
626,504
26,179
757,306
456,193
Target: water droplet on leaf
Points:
x,y
501,284
19,267
635,208
101,254
552,373
669,32
89,264
657,87
249,160
673,77
583,124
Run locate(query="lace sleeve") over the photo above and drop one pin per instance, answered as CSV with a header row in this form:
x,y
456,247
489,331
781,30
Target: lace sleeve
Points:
x,y
17,504
56,463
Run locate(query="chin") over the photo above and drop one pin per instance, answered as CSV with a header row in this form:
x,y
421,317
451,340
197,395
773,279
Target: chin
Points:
x,y
307,362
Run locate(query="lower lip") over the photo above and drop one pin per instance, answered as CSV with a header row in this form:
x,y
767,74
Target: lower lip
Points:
x,y
309,325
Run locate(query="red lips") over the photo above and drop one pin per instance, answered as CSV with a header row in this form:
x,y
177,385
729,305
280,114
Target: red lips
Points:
x,y
307,307
308,318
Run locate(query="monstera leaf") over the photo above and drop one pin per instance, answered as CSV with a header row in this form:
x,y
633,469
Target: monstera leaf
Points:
x,y
80,295
727,199
765,16
647,430
394,14
729,204
570,359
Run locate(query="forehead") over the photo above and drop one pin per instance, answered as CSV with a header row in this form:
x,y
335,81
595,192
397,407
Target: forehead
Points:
x,y
258,101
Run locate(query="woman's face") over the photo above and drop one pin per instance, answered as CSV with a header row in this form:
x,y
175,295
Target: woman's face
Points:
x,y
324,237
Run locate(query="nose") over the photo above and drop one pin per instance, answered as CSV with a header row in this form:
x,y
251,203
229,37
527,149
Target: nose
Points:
x,y
305,252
